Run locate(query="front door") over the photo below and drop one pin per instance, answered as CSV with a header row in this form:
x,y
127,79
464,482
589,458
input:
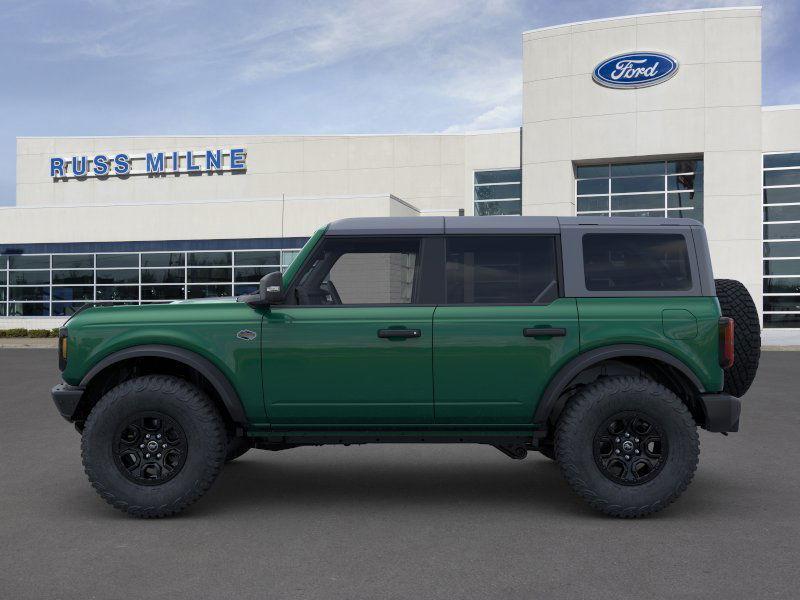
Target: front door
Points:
x,y
503,331
353,345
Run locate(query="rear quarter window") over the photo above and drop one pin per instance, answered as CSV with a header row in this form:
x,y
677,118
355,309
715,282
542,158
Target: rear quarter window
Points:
x,y
636,262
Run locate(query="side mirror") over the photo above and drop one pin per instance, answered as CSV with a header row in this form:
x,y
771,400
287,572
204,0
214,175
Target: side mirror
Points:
x,y
270,291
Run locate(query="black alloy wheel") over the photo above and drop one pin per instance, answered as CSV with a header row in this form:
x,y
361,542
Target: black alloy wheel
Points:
x,y
150,448
630,448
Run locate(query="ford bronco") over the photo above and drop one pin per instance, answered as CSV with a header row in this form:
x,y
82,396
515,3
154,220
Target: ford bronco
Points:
x,y
602,343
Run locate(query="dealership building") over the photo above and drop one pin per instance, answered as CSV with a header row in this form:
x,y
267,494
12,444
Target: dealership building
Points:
x,y
647,115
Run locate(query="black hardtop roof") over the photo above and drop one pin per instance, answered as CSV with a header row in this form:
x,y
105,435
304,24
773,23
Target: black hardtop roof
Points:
x,y
489,225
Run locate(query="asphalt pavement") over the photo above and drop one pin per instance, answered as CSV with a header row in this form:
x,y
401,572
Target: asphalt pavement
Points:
x,y
399,521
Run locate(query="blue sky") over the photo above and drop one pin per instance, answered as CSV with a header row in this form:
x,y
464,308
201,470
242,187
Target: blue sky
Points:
x,y
154,67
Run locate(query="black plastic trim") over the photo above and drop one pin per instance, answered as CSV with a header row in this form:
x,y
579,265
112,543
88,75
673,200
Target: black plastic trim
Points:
x,y
66,398
722,412
583,361
206,368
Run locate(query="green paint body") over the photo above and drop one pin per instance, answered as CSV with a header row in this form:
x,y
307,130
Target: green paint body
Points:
x,y
470,370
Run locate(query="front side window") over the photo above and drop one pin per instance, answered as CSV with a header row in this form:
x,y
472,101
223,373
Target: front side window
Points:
x,y
501,269
364,271
636,262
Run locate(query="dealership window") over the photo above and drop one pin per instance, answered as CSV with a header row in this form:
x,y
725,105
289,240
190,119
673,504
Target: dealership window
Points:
x,y
498,192
40,285
781,240
664,188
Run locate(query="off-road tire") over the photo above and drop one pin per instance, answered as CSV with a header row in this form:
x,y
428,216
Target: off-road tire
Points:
x,y
736,303
547,449
586,413
185,404
236,447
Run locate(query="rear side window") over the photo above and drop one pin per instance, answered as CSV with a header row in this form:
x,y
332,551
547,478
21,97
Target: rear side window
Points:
x,y
636,262
501,269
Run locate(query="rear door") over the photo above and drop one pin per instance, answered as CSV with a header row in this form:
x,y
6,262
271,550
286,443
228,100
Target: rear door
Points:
x,y
357,347
503,331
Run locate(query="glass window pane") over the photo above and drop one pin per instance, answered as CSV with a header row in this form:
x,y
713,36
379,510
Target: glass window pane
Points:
x,y
118,292
73,293
781,195
498,207
593,186
29,293
684,199
636,262
163,259
118,276
63,309
209,291
209,259
684,182
2,294
791,159
637,184
507,270
257,257
498,176
782,285
782,267
684,166
782,231
22,261
117,260
240,290
637,201
288,256
778,321
2,309
163,275
782,303
2,277
3,262
73,276
773,249
162,292
588,171
208,275
639,213
29,277
498,192
363,271
73,261
596,203
782,213
28,309
649,168
253,274
790,177
686,213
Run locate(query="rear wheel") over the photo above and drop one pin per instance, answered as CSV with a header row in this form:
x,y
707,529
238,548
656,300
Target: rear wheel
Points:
x,y
627,445
153,445
736,303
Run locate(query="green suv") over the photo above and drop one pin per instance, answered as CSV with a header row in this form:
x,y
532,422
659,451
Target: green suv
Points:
x,y
600,343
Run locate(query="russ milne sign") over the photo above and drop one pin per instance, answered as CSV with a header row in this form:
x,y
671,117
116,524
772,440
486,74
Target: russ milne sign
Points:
x,y
635,70
151,163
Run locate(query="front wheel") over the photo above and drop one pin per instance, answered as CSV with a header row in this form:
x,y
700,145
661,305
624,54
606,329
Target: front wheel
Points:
x,y
153,445
627,445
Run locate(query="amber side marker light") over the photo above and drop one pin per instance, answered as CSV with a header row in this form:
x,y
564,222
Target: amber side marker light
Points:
x,y
62,348
726,326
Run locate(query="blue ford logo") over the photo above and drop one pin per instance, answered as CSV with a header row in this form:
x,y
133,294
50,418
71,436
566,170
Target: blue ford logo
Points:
x,y
635,70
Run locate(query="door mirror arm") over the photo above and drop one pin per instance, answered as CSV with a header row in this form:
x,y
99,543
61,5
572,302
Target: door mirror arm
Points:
x,y
270,291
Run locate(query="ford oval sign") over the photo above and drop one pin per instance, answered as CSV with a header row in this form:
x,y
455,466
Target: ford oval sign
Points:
x,y
635,70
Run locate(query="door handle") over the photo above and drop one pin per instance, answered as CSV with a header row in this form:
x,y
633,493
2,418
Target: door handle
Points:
x,y
399,333
544,331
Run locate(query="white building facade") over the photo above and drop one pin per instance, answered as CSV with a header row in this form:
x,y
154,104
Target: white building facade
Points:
x,y
155,219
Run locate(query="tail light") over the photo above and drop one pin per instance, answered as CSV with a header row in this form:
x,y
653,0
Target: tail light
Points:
x,y
726,325
62,348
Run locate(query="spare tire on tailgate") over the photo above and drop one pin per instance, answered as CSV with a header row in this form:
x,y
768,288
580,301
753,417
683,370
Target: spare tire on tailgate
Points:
x,y
736,303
